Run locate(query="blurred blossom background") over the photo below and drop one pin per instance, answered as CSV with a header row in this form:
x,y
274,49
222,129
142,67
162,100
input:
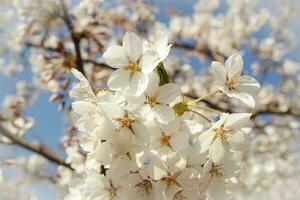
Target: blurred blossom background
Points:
x,y
35,79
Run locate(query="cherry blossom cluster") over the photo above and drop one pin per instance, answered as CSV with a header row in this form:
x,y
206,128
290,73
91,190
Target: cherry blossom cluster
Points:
x,y
153,124
145,140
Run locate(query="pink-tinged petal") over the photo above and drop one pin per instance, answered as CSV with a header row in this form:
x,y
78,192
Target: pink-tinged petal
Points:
x,y
167,93
217,150
133,45
218,71
116,57
234,65
149,61
119,80
138,83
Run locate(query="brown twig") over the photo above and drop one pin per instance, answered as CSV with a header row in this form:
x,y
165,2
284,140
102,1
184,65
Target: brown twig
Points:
x,y
75,38
37,148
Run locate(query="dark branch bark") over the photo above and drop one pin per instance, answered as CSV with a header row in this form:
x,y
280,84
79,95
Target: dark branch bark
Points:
x,y
99,64
75,38
37,148
201,50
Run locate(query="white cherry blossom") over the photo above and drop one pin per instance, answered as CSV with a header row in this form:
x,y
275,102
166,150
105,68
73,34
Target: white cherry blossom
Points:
x,y
132,63
231,81
225,134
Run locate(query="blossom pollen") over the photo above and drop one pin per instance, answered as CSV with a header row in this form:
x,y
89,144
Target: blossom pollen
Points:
x,y
111,191
133,66
151,100
145,187
232,82
170,180
124,122
217,171
164,140
222,133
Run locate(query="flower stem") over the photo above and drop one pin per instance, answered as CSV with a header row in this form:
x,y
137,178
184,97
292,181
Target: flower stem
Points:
x,y
204,97
208,109
197,113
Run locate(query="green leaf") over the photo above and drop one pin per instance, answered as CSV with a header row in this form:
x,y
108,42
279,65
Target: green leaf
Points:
x,y
164,78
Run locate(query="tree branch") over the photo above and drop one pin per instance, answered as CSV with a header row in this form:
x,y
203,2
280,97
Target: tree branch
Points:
x,y
203,50
37,148
75,38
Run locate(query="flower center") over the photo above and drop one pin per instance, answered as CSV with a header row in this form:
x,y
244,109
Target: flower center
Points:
x,y
124,122
111,191
170,180
222,133
164,140
232,82
145,187
217,171
151,100
133,66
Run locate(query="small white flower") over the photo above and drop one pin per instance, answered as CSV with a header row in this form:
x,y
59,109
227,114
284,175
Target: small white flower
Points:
x,y
232,82
160,45
225,133
132,63
158,98
215,177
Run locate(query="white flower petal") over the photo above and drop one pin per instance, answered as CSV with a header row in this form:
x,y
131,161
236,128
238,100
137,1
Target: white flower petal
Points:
x,y
138,83
179,140
153,84
88,141
149,61
133,45
217,150
78,74
83,107
116,57
112,110
167,93
238,120
163,114
216,189
141,133
238,141
218,71
118,80
205,140
234,65
193,126
244,97
248,84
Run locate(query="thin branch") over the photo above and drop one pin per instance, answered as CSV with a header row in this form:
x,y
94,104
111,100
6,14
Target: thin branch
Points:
x,y
201,50
37,148
75,38
99,64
